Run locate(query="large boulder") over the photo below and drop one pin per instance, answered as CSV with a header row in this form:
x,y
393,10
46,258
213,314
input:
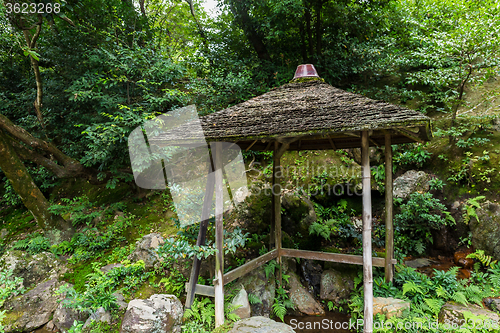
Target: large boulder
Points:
x,y
145,250
410,182
389,306
302,299
158,314
33,269
259,285
260,325
311,272
299,213
452,313
33,309
336,285
486,229
254,213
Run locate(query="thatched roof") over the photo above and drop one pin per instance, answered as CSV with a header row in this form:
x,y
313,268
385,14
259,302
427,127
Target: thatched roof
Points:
x,y
314,115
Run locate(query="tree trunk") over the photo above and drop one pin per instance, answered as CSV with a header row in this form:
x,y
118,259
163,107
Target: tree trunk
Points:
x,y
240,11
309,33
54,227
319,33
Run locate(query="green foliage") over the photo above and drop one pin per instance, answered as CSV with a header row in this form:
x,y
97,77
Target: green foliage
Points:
x,y
9,286
254,299
412,226
202,314
411,155
90,241
483,258
100,286
436,184
79,210
333,220
470,208
270,268
281,303
33,244
182,247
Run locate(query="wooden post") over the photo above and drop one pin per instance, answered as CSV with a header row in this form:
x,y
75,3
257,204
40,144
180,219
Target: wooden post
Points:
x,y
367,235
389,230
202,234
219,234
276,193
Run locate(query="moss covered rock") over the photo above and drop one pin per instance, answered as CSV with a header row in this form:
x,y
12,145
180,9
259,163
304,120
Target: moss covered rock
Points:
x,y
33,309
302,299
33,268
264,288
486,229
336,285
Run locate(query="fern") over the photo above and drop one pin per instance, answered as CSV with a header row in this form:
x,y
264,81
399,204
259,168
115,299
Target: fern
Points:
x,y
279,309
470,208
494,276
254,299
483,258
411,287
434,304
475,294
270,268
442,293
460,297
229,311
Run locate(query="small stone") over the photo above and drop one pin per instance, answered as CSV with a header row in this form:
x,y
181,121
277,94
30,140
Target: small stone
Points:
x,y
241,301
389,306
100,315
145,250
418,263
455,205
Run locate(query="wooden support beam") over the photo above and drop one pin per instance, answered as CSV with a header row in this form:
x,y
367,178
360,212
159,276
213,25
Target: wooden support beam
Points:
x,y
276,193
332,144
409,134
219,237
251,145
375,143
205,214
389,230
268,146
332,257
249,266
367,235
203,290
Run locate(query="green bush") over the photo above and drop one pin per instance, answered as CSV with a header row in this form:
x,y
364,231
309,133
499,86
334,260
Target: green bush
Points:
x,y
412,226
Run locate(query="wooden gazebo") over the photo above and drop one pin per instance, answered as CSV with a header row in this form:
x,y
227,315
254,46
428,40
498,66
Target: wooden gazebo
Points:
x,y
307,115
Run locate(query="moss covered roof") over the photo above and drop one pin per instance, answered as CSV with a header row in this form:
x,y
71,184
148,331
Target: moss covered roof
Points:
x,y
311,110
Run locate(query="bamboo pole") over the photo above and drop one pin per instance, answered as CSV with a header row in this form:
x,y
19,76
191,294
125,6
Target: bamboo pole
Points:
x,y
389,230
276,192
202,234
367,235
219,234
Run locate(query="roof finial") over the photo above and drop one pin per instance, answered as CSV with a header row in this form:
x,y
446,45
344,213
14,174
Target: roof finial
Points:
x,y
306,70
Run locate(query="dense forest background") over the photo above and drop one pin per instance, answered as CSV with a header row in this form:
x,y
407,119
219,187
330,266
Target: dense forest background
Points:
x,y
74,84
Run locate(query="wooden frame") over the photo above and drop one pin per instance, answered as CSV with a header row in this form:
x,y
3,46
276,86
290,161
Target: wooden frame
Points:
x,y
278,252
